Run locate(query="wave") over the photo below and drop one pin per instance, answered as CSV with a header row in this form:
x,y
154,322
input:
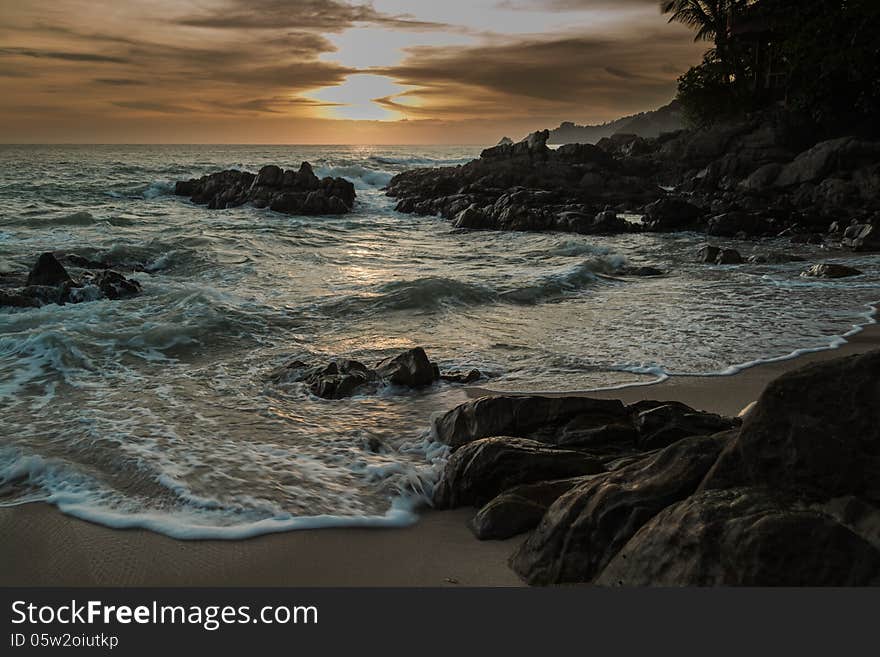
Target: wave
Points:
x,y
419,161
361,177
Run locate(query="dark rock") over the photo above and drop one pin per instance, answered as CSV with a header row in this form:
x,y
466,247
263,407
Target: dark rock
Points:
x,y
17,300
586,527
773,258
48,271
556,420
411,368
830,270
729,257
814,430
114,285
519,509
663,425
290,192
743,537
479,471
454,376
644,271
708,254
730,224
669,214
336,380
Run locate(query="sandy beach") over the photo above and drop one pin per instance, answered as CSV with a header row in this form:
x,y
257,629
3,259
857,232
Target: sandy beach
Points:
x,y
43,547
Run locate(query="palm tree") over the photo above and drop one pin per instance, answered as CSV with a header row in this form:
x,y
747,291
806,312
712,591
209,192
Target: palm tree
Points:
x,y
711,18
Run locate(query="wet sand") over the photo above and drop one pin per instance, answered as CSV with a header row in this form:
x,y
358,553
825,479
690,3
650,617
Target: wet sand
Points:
x,y
43,547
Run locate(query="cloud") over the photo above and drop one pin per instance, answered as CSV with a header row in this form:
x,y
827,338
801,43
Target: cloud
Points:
x,y
572,74
66,56
324,15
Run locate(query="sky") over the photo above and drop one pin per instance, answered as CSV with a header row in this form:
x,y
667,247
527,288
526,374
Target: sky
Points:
x,y
329,71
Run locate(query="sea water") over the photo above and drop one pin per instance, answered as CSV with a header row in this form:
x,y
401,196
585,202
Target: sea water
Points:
x,y
157,411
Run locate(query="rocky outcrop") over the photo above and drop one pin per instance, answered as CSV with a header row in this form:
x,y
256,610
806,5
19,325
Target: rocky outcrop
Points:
x,y
49,282
343,377
290,192
758,176
790,497
528,187
715,255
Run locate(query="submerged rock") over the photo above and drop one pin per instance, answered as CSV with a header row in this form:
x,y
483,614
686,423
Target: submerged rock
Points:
x,y
49,282
290,192
830,270
344,377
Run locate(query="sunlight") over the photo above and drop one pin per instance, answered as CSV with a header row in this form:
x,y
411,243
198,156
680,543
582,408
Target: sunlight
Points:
x,y
355,98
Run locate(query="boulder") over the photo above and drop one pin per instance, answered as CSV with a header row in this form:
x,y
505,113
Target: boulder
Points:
x,y
520,508
578,421
481,470
48,271
412,368
728,257
830,270
586,527
114,285
730,224
743,537
336,380
815,431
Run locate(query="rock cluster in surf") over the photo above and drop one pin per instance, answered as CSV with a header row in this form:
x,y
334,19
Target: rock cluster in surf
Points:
x,y
760,176
290,192
49,282
659,494
342,378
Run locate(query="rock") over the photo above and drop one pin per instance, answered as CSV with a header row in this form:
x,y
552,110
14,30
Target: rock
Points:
x,y
479,471
336,380
114,285
472,217
290,192
411,368
17,300
830,270
729,257
763,177
730,224
813,431
714,255
671,214
48,271
455,376
505,141
862,237
845,153
519,509
743,537
586,527
555,420
663,425
644,271
708,254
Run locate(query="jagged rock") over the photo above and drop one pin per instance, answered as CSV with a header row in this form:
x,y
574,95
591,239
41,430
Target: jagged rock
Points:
x,y
743,537
114,285
845,153
862,237
586,527
48,271
412,368
580,421
519,509
730,224
505,141
480,470
290,192
830,270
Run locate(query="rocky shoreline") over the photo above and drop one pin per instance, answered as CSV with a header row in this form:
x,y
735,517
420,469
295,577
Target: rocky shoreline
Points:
x,y
658,494
763,176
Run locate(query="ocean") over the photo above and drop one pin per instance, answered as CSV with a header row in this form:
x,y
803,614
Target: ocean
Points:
x,y
157,411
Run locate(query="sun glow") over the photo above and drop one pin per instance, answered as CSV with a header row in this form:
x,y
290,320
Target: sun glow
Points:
x,y
356,98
